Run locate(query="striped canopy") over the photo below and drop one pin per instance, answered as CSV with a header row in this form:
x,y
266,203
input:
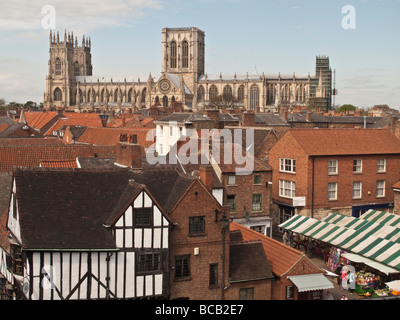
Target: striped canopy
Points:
x,y
374,235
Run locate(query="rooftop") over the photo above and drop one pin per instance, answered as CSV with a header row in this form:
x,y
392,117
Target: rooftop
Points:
x,y
345,142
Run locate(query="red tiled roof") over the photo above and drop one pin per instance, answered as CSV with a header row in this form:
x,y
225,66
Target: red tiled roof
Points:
x,y
37,119
396,185
87,122
31,141
111,136
59,163
346,141
282,258
30,155
3,127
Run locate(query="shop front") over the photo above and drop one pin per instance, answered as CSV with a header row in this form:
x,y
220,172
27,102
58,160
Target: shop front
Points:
x,y
309,286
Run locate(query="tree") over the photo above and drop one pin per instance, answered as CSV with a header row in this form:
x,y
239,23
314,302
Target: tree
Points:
x,y
347,107
2,104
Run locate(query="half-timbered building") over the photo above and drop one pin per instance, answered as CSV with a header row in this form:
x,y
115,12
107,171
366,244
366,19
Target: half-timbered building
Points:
x,y
87,235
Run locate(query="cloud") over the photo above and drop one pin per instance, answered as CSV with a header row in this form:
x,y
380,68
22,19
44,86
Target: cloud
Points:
x,y
28,16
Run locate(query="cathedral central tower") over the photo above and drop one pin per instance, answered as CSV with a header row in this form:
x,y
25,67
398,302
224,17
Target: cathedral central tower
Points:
x,y
183,53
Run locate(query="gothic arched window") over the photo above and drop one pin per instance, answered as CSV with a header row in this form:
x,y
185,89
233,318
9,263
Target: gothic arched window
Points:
x,y
76,68
240,95
58,67
165,101
200,93
116,95
129,97
254,97
213,93
173,54
143,96
185,54
227,93
57,94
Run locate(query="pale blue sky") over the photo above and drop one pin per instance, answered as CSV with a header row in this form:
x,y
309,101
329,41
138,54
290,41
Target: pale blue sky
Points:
x,y
273,35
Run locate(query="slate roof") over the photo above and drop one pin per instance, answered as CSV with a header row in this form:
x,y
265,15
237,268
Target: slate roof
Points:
x,y
248,262
282,258
64,122
77,203
269,119
167,185
185,117
96,163
10,128
228,165
346,141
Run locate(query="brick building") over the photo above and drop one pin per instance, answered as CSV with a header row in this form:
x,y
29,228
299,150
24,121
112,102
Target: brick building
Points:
x,y
346,170
295,276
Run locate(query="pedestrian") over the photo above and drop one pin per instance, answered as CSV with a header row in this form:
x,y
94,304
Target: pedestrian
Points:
x,y
285,238
328,296
344,298
345,279
352,281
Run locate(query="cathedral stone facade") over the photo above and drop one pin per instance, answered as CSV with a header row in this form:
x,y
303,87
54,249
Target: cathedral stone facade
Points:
x,y
70,83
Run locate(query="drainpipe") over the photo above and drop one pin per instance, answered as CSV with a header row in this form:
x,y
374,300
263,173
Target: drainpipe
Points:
x,y
108,275
312,189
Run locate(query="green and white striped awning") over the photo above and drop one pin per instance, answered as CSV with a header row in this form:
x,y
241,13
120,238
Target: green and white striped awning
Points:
x,y
375,235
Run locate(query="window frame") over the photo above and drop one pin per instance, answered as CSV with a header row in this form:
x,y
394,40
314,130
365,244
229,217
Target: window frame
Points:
x,y
246,293
139,217
356,166
213,275
287,165
58,67
185,54
283,188
380,165
356,190
183,274
383,188
257,179
174,55
332,191
335,167
228,181
258,203
232,209
197,225
143,266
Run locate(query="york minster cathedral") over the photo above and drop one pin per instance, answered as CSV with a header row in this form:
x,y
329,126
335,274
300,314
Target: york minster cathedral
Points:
x,y
70,83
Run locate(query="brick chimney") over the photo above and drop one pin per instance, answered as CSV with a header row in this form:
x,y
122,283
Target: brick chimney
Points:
x,y
285,114
129,154
248,119
214,115
308,115
207,176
